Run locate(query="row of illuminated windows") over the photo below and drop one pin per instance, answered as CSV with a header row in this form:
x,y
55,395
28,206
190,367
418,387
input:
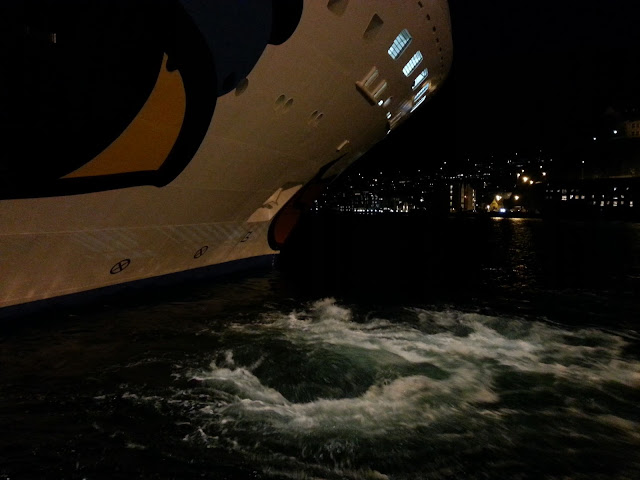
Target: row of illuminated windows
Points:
x,y
614,203
564,190
399,46
603,203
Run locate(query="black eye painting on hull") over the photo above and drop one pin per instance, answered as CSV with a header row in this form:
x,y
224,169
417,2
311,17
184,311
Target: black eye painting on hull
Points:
x,y
116,93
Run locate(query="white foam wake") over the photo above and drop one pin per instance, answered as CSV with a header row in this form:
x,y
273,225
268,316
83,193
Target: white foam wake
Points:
x,y
447,373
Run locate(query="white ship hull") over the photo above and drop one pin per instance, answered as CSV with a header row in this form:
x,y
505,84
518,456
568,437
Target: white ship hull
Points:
x,y
306,105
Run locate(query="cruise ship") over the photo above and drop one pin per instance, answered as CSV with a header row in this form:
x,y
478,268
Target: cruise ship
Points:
x,y
148,138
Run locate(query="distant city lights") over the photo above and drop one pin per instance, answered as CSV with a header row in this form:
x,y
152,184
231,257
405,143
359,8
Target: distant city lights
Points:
x,y
484,185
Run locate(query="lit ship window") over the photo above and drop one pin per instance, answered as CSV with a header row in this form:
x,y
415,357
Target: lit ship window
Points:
x,y
418,103
400,44
412,64
423,74
422,91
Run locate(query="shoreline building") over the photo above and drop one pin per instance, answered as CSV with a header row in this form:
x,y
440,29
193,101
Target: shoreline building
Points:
x,y
602,177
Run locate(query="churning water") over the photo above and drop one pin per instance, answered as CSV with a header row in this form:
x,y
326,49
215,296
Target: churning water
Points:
x,y
260,377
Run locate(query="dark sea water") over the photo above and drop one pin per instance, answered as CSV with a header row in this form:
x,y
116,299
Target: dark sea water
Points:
x,y
377,348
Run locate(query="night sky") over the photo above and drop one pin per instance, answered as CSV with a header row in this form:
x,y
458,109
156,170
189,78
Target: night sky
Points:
x,y
527,75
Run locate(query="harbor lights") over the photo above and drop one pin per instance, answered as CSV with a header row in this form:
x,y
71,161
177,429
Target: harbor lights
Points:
x,y
525,179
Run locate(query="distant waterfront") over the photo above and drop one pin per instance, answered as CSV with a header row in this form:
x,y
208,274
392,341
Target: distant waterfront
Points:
x,y
509,190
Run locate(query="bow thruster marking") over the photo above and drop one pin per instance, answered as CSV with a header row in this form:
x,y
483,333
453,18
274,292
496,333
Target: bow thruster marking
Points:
x,y
201,252
120,266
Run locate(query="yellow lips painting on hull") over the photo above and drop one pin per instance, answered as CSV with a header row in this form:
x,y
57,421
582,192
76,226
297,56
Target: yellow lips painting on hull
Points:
x,y
147,141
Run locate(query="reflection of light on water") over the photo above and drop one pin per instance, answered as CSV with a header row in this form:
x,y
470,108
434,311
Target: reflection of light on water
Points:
x,y
458,381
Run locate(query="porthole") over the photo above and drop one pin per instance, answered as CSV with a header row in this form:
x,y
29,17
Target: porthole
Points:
x,y
337,7
242,86
279,102
228,82
282,104
315,118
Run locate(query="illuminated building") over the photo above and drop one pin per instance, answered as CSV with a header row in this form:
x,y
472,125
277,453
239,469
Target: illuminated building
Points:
x,y
462,197
632,128
607,197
